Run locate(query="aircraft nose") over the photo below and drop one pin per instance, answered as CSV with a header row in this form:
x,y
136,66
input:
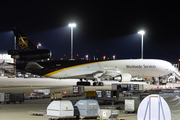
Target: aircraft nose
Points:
x,y
172,69
169,68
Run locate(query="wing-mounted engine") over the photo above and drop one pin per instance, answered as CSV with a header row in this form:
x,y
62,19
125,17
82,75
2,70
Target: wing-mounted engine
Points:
x,y
118,78
126,77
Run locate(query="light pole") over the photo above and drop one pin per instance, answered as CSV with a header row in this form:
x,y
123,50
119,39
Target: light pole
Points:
x,y
142,33
14,58
72,25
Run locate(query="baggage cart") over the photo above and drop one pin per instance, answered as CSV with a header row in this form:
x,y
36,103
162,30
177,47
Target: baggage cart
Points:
x,y
108,113
17,97
37,113
78,90
5,98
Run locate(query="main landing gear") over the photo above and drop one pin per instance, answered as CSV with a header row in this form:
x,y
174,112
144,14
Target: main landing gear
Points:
x,y
88,83
84,83
98,84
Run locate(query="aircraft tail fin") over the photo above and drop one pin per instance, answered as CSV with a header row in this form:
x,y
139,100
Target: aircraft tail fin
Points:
x,y
28,51
23,41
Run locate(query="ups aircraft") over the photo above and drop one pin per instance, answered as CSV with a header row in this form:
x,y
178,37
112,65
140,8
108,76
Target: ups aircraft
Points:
x,y
120,70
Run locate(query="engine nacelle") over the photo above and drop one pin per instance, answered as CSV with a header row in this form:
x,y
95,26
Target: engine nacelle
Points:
x,y
118,78
30,55
123,77
126,77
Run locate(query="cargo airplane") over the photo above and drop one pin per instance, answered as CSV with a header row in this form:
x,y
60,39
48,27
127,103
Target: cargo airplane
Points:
x,y
120,70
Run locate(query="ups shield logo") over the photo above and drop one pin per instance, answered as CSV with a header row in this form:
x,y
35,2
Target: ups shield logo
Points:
x,y
23,42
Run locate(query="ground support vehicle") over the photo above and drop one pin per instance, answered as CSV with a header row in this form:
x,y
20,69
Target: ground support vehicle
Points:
x,y
40,94
33,96
163,82
56,96
11,76
11,97
90,94
44,93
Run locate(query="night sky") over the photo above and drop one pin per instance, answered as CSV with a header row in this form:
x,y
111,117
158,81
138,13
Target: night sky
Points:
x,y
107,27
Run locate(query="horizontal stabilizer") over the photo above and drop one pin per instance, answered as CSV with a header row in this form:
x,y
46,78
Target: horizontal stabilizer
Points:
x,y
33,65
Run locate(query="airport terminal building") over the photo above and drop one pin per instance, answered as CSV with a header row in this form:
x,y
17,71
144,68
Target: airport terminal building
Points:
x,y
4,67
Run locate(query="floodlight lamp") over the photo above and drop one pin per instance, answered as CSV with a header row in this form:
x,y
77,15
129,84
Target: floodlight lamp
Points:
x,y
141,32
72,25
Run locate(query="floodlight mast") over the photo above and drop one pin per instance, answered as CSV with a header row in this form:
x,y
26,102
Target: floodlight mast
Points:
x,y
72,25
142,33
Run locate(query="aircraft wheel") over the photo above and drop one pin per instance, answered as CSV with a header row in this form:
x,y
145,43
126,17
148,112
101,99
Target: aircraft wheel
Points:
x,y
95,84
83,83
79,83
101,84
87,83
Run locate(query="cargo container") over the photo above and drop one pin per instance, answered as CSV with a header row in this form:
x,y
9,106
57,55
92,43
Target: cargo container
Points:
x,y
5,98
103,94
107,96
131,105
17,97
138,87
61,110
87,108
78,90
